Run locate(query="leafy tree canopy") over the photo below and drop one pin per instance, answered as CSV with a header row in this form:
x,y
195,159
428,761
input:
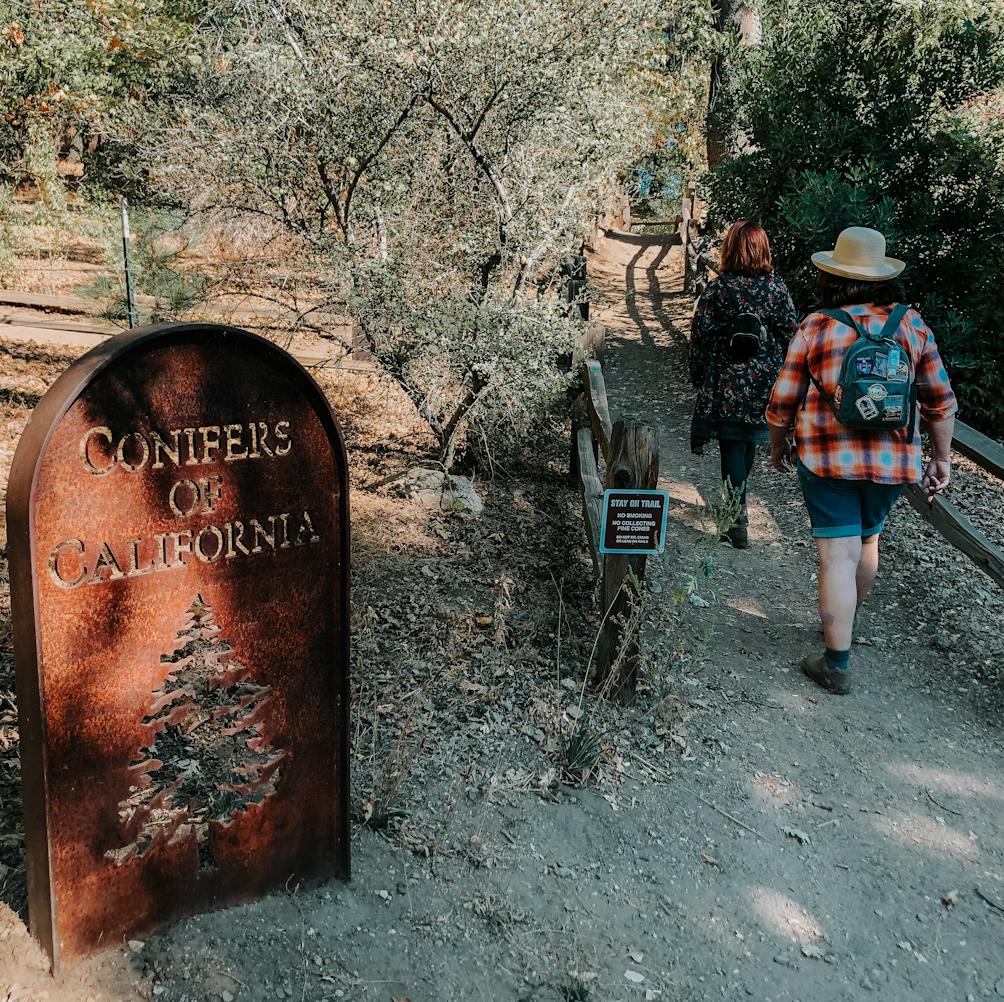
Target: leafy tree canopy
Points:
x,y
879,113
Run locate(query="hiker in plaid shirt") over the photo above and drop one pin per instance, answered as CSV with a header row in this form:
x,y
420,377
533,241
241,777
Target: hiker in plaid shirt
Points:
x,y
851,478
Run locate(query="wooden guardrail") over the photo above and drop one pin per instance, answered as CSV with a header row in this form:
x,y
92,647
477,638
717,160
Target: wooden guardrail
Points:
x,y
980,448
630,458
574,288
697,257
949,521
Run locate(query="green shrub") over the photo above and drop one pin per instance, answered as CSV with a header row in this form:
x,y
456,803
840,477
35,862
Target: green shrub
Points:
x,y
871,113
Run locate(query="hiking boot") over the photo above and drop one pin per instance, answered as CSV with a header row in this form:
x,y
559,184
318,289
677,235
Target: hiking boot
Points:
x,y
738,535
837,682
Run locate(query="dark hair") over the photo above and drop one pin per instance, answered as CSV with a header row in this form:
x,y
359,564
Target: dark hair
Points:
x,y
836,291
746,250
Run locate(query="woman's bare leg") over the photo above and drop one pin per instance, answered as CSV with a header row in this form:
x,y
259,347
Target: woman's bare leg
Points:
x,y
867,567
839,560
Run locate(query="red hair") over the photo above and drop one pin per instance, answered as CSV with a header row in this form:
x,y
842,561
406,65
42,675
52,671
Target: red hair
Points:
x,y
746,249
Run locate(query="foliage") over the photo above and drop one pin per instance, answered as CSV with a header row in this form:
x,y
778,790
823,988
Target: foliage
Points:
x,y
155,265
869,112
688,43
714,521
489,367
66,68
423,166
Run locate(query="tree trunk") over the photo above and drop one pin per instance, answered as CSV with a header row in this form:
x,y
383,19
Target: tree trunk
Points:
x,y
742,17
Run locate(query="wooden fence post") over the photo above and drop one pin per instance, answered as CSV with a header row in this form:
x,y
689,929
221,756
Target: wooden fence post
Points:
x,y
580,419
689,236
588,345
633,464
685,219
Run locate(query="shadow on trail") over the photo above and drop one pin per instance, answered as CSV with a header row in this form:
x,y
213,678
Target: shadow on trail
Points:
x,y
654,292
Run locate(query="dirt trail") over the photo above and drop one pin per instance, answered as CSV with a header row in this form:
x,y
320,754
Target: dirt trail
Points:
x,y
898,789
750,838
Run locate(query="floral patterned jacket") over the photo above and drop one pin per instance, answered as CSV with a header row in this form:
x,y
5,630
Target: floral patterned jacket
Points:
x,y
730,393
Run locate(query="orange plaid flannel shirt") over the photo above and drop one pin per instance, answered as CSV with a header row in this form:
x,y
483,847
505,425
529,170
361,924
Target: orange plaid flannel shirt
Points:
x,y
825,446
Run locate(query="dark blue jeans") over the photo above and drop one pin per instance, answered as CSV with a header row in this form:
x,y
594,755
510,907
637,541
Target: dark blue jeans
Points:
x,y
737,462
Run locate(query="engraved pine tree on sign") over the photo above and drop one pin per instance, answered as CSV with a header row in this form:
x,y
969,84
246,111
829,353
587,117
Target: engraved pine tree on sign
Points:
x,y
208,756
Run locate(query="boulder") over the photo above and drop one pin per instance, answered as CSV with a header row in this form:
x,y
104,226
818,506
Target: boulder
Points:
x,y
440,491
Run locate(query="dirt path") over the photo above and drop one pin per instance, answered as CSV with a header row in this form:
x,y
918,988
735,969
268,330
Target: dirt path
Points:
x,y
872,808
748,837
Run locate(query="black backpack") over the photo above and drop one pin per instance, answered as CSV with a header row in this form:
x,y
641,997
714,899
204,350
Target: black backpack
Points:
x,y
748,337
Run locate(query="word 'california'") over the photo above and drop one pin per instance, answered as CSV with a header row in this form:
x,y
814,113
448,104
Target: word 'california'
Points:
x,y
74,563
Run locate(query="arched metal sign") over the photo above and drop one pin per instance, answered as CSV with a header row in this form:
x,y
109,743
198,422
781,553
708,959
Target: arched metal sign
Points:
x,y
178,532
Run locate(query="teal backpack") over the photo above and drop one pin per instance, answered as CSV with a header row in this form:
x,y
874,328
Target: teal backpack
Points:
x,y
876,389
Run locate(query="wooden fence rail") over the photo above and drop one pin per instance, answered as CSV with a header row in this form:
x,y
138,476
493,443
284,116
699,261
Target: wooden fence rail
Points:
x,y
980,448
949,521
630,458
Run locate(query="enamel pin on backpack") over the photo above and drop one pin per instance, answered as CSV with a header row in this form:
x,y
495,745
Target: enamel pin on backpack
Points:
x,y
876,387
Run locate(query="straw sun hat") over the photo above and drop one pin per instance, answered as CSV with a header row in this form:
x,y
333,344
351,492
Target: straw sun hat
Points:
x,y
860,254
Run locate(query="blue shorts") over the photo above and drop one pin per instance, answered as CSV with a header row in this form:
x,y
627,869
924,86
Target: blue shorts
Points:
x,y
839,508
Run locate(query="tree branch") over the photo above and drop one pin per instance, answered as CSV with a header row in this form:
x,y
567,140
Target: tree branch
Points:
x,y
367,160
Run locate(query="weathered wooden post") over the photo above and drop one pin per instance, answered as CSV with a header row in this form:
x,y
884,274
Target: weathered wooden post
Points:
x,y
633,464
689,235
588,345
685,215
623,523
575,283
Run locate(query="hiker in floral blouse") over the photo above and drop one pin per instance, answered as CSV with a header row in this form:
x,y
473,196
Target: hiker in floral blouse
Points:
x,y
732,393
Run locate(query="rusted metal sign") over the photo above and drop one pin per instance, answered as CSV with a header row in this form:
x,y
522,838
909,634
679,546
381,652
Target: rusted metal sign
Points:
x,y
179,549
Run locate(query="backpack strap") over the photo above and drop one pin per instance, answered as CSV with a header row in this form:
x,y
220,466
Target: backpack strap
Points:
x,y
845,318
841,316
890,327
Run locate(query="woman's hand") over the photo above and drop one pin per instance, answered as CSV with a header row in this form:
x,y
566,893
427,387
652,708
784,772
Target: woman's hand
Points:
x,y
783,455
937,477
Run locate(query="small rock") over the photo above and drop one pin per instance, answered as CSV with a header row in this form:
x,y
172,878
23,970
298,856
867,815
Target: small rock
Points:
x,y
634,977
384,894
227,996
136,945
441,491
